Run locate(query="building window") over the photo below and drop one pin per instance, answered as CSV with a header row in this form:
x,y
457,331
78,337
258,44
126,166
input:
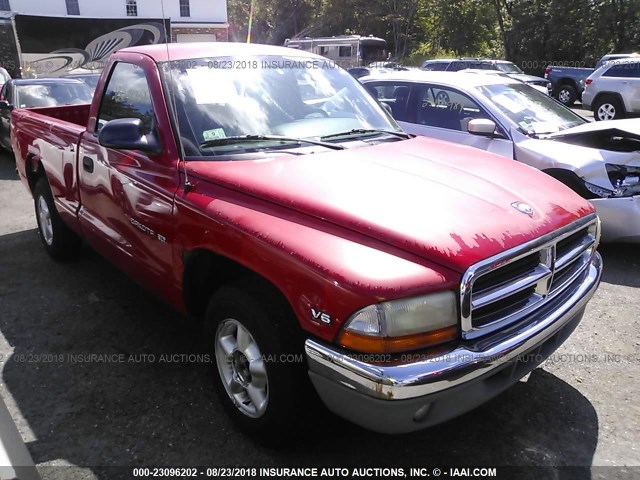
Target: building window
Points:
x,y
72,7
185,10
132,8
5,6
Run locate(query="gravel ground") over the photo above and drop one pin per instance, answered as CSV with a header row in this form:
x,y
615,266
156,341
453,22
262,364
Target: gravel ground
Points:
x,y
579,409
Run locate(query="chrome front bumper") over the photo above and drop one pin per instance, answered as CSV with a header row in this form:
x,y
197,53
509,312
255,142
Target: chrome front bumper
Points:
x,y
411,391
620,218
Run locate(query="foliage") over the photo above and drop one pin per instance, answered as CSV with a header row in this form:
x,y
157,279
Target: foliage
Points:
x,y
531,33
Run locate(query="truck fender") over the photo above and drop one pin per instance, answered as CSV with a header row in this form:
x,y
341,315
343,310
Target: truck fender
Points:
x,y
206,271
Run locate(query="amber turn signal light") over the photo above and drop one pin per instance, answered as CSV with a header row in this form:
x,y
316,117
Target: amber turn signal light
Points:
x,y
376,344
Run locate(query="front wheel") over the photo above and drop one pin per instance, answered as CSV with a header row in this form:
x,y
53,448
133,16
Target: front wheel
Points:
x,y
260,373
567,95
607,108
59,240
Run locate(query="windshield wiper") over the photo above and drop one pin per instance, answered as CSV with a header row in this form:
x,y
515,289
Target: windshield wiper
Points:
x,y
365,131
216,142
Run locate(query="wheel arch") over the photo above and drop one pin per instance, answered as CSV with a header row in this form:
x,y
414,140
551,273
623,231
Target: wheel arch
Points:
x,y
571,180
568,81
34,170
206,271
615,95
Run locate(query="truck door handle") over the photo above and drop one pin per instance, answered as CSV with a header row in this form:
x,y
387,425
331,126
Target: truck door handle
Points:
x,y
87,164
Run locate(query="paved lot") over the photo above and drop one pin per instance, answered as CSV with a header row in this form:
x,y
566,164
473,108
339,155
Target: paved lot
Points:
x,y
588,114
579,410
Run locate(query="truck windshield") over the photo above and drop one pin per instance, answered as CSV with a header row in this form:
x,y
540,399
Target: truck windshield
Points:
x,y
534,112
296,97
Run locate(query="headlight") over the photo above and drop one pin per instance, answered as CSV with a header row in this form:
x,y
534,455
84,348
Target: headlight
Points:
x,y
625,180
402,325
599,191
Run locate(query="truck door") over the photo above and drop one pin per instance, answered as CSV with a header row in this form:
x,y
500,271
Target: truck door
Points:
x,y
127,195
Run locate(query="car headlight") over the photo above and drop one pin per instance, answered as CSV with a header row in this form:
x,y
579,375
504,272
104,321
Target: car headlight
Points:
x,y
599,191
625,180
401,325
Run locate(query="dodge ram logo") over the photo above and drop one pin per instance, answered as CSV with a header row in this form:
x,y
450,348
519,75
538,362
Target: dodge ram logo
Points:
x,y
523,208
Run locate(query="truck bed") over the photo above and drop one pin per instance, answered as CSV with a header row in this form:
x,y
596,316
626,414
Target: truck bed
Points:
x,y
57,128
77,114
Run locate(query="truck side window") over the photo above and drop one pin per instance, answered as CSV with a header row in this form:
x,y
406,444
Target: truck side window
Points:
x,y
127,95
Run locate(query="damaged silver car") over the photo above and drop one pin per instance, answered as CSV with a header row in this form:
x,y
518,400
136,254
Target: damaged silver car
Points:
x,y
600,161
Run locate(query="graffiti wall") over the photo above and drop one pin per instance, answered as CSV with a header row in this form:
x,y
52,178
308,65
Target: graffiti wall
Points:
x,y
80,44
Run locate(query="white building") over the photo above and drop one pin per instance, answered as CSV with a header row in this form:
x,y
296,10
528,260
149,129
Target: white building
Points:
x,y
191,20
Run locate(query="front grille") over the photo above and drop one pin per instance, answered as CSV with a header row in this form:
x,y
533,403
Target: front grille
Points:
x,y
514,284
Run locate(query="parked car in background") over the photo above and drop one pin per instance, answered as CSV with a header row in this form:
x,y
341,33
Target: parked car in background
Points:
x,y
568,82
41,92
543,89
597,160
613,91
503,66
357,72
4,76
91,79
317,242
376,68
388,65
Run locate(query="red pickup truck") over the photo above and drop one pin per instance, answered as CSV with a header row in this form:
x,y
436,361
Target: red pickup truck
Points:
x,y
262,190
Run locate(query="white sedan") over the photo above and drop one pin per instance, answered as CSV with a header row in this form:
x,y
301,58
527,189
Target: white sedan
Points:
x,y
600,161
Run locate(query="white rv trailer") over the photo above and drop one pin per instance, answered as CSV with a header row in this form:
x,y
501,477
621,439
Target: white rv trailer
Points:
x,y
345,50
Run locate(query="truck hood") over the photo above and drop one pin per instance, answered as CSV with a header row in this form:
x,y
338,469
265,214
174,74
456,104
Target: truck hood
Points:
x,y
448,204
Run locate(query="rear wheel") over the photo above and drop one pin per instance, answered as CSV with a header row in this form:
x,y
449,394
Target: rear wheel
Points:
x,y
567,95
607,108
59,240
259,373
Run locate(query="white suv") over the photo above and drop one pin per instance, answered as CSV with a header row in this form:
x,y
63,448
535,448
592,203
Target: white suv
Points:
x,y
613,90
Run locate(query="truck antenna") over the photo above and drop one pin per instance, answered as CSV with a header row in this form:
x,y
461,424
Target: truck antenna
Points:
x,y
187,184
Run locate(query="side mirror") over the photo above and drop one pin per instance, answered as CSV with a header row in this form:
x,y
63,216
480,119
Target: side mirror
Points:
x,y
482,127
4,105
127,134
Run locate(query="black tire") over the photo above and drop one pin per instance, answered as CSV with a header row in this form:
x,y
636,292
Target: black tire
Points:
x,y
567,94
607,107
60,242
262,311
